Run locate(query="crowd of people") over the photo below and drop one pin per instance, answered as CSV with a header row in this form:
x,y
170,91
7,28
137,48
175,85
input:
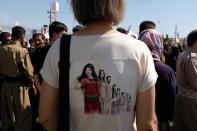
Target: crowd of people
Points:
x,y
117,82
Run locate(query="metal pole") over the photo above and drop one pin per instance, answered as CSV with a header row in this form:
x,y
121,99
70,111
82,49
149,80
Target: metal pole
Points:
x,y
175,33
50,17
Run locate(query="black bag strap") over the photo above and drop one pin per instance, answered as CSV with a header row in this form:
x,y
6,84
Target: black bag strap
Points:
x,y
64,65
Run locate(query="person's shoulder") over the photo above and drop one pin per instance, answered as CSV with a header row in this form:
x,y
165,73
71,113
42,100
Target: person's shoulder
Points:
x,y
45,48
126,37
12,47
184,56
5,46
163,68
22,50
127,40
2,47
134,46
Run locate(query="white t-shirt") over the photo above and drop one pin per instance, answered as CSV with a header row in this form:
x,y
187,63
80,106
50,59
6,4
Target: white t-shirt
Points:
x,y
127,63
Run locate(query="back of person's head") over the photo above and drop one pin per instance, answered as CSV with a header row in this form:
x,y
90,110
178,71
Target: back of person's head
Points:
x,y
30,41
56,27
38,34
192,38
121,30
146,25
17,32
77,28
89,11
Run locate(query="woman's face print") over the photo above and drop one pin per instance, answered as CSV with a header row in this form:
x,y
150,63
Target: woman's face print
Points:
x,y
88,71
108,79
102,74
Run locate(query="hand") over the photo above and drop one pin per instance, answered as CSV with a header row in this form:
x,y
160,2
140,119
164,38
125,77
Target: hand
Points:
x,y
39,87
37,82
34,89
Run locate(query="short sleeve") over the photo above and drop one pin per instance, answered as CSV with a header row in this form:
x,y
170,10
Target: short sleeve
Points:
x,y
50,71
83,82
148,73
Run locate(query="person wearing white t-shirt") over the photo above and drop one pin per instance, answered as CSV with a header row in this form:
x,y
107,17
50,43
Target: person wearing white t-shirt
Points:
x,y
127,60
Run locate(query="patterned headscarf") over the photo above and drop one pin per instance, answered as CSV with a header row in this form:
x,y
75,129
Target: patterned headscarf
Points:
x,y
154,41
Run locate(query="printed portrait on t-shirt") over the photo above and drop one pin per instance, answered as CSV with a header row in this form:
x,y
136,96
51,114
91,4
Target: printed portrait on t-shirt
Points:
x,y
89,87
101,95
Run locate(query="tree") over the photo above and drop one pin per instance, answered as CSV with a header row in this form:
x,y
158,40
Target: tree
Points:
x,y
166,39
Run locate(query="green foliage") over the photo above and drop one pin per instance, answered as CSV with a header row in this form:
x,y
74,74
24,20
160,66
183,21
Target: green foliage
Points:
x,y
166,39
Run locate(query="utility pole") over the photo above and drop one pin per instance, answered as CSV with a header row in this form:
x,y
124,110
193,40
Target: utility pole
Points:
x,y
50,15
53,10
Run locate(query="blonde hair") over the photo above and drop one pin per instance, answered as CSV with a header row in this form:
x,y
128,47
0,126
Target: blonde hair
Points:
x,y
88,11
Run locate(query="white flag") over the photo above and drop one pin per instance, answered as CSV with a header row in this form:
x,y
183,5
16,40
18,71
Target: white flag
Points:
x,y
54,5
130,32
177,37
57,6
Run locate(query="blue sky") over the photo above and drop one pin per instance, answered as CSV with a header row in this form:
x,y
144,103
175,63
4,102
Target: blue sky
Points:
x,y
165,13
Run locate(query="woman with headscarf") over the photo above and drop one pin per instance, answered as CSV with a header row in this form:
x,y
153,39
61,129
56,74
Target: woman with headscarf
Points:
x,y
166,81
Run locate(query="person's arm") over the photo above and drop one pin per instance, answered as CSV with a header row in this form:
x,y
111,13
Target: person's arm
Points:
x,y
37,83
145,111
25,67
48,108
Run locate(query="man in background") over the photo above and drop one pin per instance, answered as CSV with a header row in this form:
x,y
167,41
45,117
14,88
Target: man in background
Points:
x,y
16,72
36,58
56,30
185,113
